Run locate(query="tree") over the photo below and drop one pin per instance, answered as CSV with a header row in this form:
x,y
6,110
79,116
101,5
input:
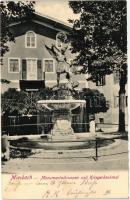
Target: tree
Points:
x,y
21,107
95,101
22,102
99,37
12,11
12,102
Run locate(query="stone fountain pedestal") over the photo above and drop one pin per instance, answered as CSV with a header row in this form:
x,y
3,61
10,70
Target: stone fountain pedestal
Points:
x,y
62,130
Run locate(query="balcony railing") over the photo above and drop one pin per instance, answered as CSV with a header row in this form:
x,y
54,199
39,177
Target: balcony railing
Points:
x,y
32,84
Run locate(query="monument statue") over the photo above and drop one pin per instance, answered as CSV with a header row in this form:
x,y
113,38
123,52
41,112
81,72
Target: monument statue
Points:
x,y
60,56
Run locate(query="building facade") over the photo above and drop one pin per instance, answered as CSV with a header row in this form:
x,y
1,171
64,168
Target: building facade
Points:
x,y
109,86
28,59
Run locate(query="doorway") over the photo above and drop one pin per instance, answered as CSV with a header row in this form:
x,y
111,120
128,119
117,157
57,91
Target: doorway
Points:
x,y
31,69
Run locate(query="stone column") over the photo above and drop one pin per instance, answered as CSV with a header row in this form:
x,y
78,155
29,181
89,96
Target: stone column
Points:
x,y
92,126
5,148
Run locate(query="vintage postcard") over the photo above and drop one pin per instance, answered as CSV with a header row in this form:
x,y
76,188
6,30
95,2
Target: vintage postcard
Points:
x,y
64,100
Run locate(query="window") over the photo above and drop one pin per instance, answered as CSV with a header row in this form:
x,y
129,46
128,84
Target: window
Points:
x,y
116,75
14,65
108,103
101,120
116,101
30,39
1,61
49,65
97,101
101,81
126,101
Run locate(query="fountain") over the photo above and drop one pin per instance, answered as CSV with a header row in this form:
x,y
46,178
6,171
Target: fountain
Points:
x,y
62,103
62,135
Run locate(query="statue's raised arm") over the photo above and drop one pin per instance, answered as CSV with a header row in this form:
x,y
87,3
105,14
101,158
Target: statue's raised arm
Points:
x,y
52,52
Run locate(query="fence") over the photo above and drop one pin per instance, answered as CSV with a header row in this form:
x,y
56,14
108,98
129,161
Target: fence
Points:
x,y
20,125
35,124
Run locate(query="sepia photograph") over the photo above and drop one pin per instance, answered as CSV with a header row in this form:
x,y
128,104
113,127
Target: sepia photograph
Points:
x,y
64,93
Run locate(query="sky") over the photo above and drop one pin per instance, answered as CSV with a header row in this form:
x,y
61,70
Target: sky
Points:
x,y
58,9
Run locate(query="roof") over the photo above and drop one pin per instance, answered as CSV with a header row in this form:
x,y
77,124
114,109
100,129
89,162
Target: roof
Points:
x,y
54,19
48,21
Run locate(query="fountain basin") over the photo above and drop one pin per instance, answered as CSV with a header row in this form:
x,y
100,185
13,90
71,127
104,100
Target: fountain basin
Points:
x,y
69,104
58,145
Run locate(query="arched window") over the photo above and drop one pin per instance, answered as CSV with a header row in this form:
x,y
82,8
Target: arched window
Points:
x,y
30,39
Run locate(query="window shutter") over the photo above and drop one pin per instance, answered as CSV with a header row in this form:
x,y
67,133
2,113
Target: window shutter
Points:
x,y
39,70
24,69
